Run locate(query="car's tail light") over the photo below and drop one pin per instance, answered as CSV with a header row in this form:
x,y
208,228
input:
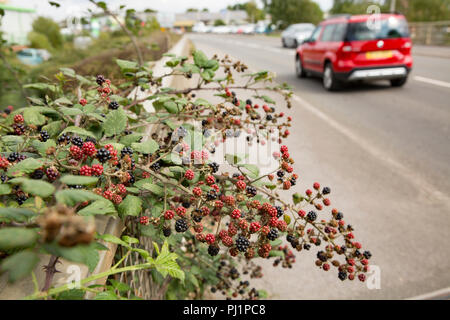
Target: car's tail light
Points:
x,y
406,47
345,51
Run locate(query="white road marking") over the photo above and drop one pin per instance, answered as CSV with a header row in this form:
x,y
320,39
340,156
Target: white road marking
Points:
x,y
433,81
435,294
405,172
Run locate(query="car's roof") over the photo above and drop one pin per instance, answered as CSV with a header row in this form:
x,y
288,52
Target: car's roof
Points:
x,y
359,18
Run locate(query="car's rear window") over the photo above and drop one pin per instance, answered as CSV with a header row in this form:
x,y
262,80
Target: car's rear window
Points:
x,y
391,27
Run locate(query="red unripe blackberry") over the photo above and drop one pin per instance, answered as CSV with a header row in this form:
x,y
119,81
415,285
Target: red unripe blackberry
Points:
x,y
52,174
108,195
236,214
117,199
169,214
86,171
286,185
205,211
89,149
316,185
362,277
97,170
308,192
241,185
227,241
198,228
285,155
210,238
144,220
218,204
181,211
254,227
120,187
197,191
18,118
76,152
189,174
210,180
326,266
83,102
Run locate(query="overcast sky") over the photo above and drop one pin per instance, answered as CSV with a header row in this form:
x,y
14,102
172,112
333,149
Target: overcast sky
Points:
x,y
77,7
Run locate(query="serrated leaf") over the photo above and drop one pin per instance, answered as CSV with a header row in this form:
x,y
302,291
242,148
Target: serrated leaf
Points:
x,y
131,206
148,147
5,189
42,147
130,138
86,254
19,265
73,197
115,122
78,180
153,188
33,116
113,239
36,187
24,167
254,169
287,219
15,214
79,131
12,238
126,65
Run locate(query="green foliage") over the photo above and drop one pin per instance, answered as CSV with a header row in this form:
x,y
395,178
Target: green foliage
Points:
x,y
254,13
287,12
50,29
39,40
219,22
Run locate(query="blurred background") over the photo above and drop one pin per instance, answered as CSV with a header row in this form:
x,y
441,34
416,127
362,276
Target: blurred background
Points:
x,y
383,150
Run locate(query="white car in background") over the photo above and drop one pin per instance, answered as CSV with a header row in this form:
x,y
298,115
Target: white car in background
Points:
x,y
248,29
200,28
222,29
295,34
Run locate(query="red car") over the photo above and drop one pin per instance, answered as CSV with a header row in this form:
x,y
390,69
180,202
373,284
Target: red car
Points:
x,y
352,48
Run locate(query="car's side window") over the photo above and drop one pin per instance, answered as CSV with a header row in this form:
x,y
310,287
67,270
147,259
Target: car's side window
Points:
x,y
315,35
327,34
339,32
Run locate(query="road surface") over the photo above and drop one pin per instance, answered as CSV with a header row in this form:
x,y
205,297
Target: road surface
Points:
x,y
385,153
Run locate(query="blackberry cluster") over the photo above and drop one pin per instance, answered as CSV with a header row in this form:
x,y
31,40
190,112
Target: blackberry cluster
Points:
x,y
44,135
211,195
21,199
77,141
312,216
37,174
214,167
126,151
19,129
242,244
167,231
103,155
251,191
113,105
293,181
181,225
273,234
63,138
13,156
280,211
156,166
100,80
213,250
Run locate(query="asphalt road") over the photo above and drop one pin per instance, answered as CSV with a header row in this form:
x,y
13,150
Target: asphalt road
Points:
x,y
385,152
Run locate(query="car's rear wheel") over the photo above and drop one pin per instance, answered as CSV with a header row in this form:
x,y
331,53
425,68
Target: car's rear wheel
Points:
x,y
299,70
399,82
295,44
329,81
283,42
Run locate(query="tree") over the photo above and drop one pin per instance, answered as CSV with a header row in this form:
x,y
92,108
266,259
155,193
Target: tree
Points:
x,y
219,22
425,10
253,12
286,12
50,29
192,10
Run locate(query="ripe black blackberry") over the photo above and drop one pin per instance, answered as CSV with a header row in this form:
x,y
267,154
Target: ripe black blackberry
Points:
x,y
132,178
37,174
249,102
19,129
290,238
21,198
242,244
367,255
186,204
90,139
342,275
251,191
326,190
197,218
211,195
280,173
322,256
214,167
167,231
77,141
312,216
269,117
126,151
156,166
100,79
182,132
7,111
339,216
273,234
44,135
306,246
181,225
4,178
63,138
77,187
357,253
113,105
213,250
280,211
103,155
13,156
204,123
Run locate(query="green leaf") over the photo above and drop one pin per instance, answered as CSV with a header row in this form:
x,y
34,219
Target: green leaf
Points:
x,y
191,278
130,138
276,243
232,158
41,86
115,123
42,147
147,147
15,214
24,167
86,254
33,116
5,189
200,59
131,206
297,198
112,239
36,187
166,265
106,295
254,169
79,131
12,238
78,180
98,207
153,188
70,111
73,197
276,253
171,107
126,65
73,294
53,128
19,265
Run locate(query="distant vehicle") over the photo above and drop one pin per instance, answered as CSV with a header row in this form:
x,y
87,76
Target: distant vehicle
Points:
x,y
352,48
261,27
44,54
200,28
295,34
222,29
30,56
248,29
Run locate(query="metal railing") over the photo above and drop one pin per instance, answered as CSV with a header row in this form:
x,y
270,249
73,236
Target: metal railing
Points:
x,y
430,33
